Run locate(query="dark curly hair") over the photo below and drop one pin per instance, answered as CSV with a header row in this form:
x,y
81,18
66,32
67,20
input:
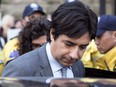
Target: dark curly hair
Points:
x,y
33,30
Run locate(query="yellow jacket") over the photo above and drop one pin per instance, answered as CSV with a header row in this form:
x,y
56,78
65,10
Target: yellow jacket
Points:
x,y
91,55
1,62
9,49
93,59
108,61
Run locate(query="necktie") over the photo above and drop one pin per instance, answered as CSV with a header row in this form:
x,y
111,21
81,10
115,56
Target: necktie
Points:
x,y
64,72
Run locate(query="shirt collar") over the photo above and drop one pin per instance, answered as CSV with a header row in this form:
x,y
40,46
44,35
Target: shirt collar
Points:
x,y
53,63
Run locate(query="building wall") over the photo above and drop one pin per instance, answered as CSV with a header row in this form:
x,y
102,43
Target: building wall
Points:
x,y
16,7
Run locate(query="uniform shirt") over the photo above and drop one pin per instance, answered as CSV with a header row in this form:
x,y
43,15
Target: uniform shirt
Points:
x,y
90,55
8,53
10,50
55,66
107,61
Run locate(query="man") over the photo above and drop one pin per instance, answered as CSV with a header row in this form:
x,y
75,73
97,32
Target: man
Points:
x,y
106,42
73,26
9,52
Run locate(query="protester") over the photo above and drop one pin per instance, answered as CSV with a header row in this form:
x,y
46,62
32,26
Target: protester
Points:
x,y
72,28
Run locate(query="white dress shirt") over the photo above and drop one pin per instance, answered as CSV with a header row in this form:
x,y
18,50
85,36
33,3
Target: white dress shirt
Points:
x,y
56,66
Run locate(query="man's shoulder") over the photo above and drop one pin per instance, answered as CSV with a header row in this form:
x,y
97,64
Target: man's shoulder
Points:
x,y
79,64
34,53
25,61
31,57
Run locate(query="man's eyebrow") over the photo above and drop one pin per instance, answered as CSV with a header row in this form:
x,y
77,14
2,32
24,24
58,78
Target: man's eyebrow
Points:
x,y
72,43
85,44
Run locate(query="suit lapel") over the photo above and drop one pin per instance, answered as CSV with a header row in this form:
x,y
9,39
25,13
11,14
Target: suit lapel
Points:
x,y
78,69
46,72
75,70
44,63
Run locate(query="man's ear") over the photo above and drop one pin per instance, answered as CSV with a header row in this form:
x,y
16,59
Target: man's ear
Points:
x,y
51,34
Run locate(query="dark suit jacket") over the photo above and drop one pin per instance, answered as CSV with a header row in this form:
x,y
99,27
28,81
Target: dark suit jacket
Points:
x,y
35,63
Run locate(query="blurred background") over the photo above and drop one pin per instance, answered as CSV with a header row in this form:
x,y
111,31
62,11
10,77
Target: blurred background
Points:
x,y
16,7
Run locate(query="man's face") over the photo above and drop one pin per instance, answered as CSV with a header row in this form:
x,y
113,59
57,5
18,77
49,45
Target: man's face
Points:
x,y
105,42
67,50
39,42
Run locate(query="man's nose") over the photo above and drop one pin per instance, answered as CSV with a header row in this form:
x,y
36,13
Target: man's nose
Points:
x,y
74,53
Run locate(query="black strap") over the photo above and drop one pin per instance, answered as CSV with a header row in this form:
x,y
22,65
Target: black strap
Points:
x,y
1,43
